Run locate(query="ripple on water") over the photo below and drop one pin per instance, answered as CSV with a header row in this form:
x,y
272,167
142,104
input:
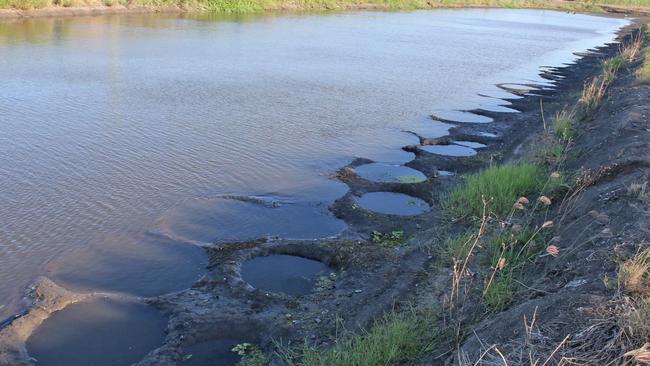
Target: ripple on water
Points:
x,y
142,265
289,274
449,150
215,220
388,173
99,333
391,203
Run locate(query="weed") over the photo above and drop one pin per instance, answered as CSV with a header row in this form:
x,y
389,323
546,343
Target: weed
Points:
x,y
458,247
326,283
634,273
510,252
500,184
643,74
593,93
500,293
388,240
250,354
394,339
632,50
565,124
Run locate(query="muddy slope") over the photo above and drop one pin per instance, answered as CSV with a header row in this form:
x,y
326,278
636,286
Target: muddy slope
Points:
x,y
603,221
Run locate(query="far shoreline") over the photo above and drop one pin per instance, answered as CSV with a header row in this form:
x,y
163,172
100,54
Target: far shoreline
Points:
x,y
55,11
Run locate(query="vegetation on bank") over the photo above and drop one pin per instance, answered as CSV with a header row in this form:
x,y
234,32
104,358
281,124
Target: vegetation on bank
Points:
x,y
644,71
643,74
396,338
252,6
500,184
511,217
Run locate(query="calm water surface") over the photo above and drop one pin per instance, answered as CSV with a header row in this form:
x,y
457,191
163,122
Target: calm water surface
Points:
x,y
116,131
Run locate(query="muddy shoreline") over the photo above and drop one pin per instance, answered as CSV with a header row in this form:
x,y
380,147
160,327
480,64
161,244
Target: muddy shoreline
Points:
x,y
370,279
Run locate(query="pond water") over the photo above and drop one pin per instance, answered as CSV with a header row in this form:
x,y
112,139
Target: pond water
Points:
x,y
390,203
216,352
289,274
117,131
389,173
99,332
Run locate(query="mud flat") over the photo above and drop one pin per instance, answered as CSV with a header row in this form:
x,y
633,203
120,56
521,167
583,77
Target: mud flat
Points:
x,y
381,262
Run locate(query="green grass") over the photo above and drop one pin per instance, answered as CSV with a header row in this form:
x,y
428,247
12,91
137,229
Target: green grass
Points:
x,y
501,185
388,240
643,74
392,340
516,251
500,293
565,124
251,355
457,247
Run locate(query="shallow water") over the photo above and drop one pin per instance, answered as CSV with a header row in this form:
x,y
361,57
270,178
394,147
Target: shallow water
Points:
x,y
288,274
389,173
113,127
100,333
450,150
211,353
390,203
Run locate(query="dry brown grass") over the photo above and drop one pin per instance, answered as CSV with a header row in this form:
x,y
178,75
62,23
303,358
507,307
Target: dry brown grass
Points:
x,y
593,93
633,50
634,274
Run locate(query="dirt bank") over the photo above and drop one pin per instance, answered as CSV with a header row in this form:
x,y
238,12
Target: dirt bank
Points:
x,y
575,299
373,275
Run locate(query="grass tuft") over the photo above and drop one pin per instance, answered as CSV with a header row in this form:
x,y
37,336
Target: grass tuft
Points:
x,y
500,184
565,124
634,274
396,338
643,75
